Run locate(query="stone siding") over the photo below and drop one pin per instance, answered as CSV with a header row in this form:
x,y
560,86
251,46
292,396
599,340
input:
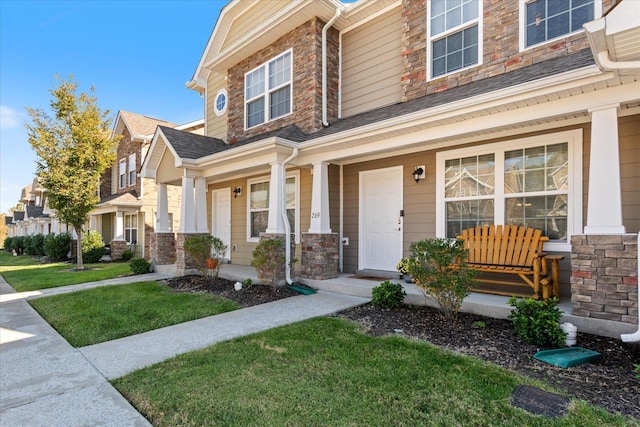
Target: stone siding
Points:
x,y
184,262
320,256
604,277
280,275
162,248
117,248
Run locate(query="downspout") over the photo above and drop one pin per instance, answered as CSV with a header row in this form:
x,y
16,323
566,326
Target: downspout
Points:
x,y
636,335
324,66
287,227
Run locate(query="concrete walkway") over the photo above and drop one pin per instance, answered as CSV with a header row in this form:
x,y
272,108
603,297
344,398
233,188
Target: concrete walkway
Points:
x,y
46,382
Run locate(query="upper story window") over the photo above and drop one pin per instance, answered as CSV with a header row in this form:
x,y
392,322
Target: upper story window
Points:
x,y
132,169
122,173
267,91
545,20
454,35
220,106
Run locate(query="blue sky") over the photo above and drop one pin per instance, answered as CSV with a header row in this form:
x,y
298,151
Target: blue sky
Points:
x,y
137,54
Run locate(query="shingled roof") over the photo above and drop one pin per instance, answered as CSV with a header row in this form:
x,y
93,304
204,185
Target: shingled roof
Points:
x,y
34,211
142,125
128,198
8,220
18,215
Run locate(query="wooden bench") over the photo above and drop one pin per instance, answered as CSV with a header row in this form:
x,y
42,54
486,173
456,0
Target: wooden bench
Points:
x,y
513,250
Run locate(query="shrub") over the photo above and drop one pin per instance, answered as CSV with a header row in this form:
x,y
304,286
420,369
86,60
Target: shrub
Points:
x,y
537,322
92,247
202,248
28,246
388,295
57,246
17,244
439,269
139,265
127,254
37,242
268,260
637,369
7,244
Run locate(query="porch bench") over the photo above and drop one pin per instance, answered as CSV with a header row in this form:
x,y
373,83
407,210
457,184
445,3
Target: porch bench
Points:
x,y
513,250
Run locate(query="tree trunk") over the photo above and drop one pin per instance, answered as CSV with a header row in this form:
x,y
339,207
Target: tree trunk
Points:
x,y
80,265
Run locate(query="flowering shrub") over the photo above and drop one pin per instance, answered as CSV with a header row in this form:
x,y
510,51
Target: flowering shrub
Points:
x,y
403,265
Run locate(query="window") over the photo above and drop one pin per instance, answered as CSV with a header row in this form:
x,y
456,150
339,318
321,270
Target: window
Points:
x,y
533,182
545,20
454,35
259,206
132,169
122,173
220,106
267,91
131,228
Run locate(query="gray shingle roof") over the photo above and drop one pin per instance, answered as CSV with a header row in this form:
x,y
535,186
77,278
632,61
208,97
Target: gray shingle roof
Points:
x,y
191,146
34,211
123,198
18,215
8,220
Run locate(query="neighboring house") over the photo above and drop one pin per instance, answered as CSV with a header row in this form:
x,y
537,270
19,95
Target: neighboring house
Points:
x,y
36,218
324,113
126,213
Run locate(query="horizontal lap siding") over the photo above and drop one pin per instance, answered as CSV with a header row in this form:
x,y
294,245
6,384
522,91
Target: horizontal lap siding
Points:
x,y
216,126
252,17
629,135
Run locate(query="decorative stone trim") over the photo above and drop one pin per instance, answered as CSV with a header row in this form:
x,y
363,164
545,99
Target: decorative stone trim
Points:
x,y
162,248
320,256
117,248
281,237
604,277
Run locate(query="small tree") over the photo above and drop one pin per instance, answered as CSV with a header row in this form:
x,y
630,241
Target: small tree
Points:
x,y
203,248
439,268
73,148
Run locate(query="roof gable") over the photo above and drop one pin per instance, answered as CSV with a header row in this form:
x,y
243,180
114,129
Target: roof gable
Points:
x,y
139,126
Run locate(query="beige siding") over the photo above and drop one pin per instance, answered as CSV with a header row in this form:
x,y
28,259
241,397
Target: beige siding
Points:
x,y
248,20
216,125
629,135
372,64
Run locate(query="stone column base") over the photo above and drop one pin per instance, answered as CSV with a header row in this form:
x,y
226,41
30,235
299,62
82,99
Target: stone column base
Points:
x,y
162,248
184,263
117,248
280,274
320,256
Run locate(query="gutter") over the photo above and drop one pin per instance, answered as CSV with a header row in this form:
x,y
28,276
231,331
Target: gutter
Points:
x,y
634,337
324,66
287,226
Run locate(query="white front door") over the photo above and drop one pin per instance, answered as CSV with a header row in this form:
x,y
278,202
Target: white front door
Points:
x,y
221,221
380,246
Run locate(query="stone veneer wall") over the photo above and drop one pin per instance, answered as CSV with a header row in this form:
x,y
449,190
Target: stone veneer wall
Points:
x,y
265,236
604,277
184,261
319,256
162,248
117,248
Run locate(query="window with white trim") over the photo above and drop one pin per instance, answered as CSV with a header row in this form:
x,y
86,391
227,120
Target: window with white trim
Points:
x,y
220,105
267,91
131,228
132,169
122,173
454,36
258,209
544,20
534,182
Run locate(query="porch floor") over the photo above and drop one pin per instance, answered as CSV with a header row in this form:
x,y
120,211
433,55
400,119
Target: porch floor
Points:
x,y
478,303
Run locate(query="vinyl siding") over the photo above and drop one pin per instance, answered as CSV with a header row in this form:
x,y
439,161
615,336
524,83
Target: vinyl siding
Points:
x,y
248,20
216,125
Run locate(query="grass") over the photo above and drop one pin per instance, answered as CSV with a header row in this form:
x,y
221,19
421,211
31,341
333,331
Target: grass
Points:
x,y
325,372
25,273
110,312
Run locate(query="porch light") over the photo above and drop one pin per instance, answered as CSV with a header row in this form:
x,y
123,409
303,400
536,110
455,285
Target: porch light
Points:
x,y
237,192
417,173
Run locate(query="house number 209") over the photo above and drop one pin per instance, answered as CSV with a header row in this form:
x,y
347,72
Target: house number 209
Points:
x,y
315,215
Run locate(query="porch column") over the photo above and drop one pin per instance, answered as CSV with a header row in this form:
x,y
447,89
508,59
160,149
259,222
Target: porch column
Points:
x,y
604,210
320,199
187,207
92,222
119,231
162,210
201,206
275,224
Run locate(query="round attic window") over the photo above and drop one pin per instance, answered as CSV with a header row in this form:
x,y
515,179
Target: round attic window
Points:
x,y
221,102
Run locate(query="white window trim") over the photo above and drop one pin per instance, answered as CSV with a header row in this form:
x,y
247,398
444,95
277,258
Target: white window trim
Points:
x,y
522,19
219,112
132,169
268,91
446,33
573,138
137,228
122,173
292,174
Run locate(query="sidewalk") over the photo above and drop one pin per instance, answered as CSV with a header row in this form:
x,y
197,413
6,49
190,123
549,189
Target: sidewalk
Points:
x,y
44,381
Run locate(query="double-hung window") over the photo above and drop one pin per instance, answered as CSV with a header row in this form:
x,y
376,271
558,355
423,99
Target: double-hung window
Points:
x,y
132,169
455,39
122,173
535,182
545,20
258,210
267,91
131,228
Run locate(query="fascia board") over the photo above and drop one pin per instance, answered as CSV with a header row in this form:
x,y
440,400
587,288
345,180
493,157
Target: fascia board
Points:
x,y
148,169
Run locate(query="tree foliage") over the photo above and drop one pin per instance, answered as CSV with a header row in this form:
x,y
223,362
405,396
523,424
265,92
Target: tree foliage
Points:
x,y
74,148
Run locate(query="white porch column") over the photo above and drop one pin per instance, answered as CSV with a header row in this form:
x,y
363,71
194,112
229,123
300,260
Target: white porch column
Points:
x,y
201,206
604,210
93,225
187,207
119,231
320,199
275,225
162,210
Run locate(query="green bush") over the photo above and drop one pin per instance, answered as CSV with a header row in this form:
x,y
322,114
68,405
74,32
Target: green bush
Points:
x,y
637,369
7,244
57,246
18,243
28,246
127,254
537,322
37,242
140,265
438,267
388,295
268,260
92,247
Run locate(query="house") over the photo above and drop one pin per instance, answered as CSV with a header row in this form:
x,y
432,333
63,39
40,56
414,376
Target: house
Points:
x,y
362,127
126,213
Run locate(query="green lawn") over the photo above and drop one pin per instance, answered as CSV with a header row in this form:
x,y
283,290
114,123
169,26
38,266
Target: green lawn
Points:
x,y
110,312
325,372
25,273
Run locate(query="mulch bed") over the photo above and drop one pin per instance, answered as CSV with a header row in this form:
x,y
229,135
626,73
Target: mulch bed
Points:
x,y
610,383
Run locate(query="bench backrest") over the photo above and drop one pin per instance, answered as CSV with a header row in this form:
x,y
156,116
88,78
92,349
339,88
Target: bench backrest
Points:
x,y
503,245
